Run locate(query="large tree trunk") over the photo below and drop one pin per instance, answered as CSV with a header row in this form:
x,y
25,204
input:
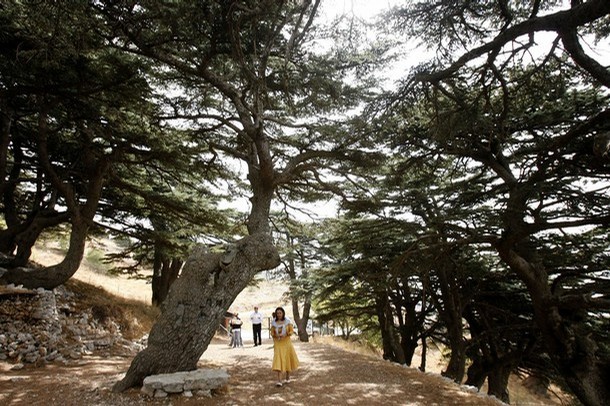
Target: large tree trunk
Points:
x,y
450,312
457,362
197,301
477,373
392,349
301,320
567,342
28,235
408,345
497,382
55,275
409,330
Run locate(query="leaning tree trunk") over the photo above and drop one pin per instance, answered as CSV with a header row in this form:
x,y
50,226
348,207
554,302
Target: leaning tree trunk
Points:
x,y
207,286
26,238
81,215
572,350
55,275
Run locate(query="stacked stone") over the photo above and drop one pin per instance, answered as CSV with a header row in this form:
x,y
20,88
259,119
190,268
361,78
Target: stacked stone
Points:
x,y
200,382
42,326
30,329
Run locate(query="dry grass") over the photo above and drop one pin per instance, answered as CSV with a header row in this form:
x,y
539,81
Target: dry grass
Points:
x,y
133,316
348,345
436,363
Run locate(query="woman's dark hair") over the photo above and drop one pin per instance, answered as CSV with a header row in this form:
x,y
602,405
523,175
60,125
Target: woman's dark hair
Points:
x,y
283,313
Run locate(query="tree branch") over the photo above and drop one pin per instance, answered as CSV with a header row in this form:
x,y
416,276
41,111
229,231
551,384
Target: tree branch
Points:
x,y
558,22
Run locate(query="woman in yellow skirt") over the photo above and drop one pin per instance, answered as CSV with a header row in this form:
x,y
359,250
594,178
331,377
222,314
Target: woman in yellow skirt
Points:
x,y
284,357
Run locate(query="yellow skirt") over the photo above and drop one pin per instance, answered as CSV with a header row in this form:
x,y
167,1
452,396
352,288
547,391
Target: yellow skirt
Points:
x,y
284,357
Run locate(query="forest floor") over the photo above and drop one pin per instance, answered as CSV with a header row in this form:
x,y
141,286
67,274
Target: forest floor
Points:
x,y
329,375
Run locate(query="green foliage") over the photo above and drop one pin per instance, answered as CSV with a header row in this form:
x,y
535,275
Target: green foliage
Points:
x,y
97,259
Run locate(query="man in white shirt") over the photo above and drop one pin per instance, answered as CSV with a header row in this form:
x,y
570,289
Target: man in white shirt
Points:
x,y
257,325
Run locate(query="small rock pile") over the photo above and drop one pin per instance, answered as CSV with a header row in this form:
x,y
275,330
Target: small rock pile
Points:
x,y
39,326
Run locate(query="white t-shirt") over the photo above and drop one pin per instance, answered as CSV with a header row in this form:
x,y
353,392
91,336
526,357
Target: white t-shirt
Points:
x,y
256,318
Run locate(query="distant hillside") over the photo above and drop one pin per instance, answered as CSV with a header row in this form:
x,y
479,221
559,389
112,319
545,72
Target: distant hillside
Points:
x,y
267,295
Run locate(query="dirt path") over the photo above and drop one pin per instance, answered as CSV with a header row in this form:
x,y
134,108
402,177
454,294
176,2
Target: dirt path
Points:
x,y
331,376
328,376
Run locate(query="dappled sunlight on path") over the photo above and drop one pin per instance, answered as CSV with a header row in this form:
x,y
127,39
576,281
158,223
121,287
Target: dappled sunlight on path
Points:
x,y
327,376
331,376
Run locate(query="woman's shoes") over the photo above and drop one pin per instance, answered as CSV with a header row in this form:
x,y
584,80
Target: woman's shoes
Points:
x,y
278,384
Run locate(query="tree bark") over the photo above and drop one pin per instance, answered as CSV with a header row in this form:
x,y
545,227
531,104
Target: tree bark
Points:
x,y
55,275
451,313
27,236
6,119
14,225
301,320
572,352
409,327
165,273
408,344
497,382
392,349
302,326
424,354
197,301
477,373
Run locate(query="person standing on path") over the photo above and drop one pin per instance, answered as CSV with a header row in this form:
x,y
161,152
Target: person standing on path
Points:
x,y
236,330
257,326
285,359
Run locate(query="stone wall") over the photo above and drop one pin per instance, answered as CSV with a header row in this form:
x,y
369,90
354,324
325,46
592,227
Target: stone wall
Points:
x,y
38,326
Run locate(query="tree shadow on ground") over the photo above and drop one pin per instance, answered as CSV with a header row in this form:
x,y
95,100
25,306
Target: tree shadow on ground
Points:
x,y
334,376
